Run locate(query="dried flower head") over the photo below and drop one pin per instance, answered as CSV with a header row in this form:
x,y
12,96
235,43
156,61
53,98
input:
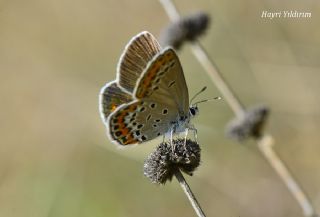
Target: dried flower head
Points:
x,y
251,124
162,164
186,28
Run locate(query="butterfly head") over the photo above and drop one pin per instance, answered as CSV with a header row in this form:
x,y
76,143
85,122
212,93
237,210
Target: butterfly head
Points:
x,y
193,110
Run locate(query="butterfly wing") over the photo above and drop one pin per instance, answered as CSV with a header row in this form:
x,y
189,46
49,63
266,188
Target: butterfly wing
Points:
x,y
134,59
163,80
111,96
161,99
140,121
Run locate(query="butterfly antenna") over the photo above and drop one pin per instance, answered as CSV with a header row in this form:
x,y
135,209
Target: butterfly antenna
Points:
x,y
207,100
203,89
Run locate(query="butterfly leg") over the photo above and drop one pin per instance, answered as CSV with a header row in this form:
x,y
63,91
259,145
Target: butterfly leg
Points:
x,y
171,136
173,146
185,137
195,132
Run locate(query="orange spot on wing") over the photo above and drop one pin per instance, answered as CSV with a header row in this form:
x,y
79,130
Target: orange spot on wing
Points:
x,y
113,107
169,56
132,141
125,131
148,78
132,108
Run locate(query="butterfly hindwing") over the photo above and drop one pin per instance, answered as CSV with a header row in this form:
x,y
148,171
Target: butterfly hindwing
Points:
x,y
121,125
111,96
138,52
157,118
140,121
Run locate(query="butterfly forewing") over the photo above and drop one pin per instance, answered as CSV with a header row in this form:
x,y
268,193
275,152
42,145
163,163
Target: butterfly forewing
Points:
x,y
163,80
139,51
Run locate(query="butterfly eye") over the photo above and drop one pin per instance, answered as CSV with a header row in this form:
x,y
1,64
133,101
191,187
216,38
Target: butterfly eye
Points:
x,y
192,111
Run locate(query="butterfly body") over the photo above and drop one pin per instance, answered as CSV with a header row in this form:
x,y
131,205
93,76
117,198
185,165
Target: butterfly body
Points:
x,y
149,98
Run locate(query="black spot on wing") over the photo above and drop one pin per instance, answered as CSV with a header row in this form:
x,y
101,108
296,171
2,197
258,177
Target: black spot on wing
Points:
x,y
115,127
152,105
165,111
142,109
144,138
171,83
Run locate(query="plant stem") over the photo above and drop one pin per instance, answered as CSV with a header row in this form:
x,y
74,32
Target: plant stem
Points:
x,y
266,141
265,147
188,192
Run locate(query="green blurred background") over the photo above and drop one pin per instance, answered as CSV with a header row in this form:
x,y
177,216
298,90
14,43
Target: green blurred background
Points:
x,y
55,159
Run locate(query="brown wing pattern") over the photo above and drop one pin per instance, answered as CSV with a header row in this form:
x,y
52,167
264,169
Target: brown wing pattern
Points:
x,y
149,96
138,52
164,77
111,96
140,121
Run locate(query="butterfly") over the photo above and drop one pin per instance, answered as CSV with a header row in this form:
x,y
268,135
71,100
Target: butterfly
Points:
x,y
149,97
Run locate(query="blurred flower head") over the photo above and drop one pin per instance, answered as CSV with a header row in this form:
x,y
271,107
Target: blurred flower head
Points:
x,y
187,28
251,124
162,164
